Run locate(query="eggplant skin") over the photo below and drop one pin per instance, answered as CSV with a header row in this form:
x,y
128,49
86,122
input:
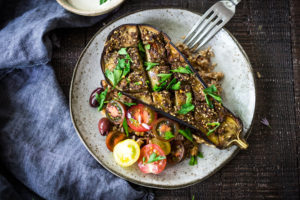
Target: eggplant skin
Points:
x,y
159,49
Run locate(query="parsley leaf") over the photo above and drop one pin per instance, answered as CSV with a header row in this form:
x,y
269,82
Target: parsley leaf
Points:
x,y
102,1
168,135
154,157
200,155
171,83
101,98
215,124
126,69
188,106
137,83
176,86
164,77
158,88
193,161
144,159
211,91
183,70
114,76
141,47
125,126
122,51
187,134
147,46
119,94
129,104
150,65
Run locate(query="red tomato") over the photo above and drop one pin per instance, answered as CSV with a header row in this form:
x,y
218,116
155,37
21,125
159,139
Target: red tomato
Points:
x,y
154,151
140,118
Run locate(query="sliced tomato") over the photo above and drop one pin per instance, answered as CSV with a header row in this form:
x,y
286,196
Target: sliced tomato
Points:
x,y
115,112
165,129
113,138
146,165
140,118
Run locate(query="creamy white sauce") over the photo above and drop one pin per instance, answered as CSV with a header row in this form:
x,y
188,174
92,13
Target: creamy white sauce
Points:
x,y
88,4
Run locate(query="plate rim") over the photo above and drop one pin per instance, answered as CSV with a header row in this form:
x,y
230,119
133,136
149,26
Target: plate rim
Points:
x,y
157,186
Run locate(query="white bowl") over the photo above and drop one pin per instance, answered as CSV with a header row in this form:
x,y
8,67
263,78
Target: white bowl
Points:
x,y
89,7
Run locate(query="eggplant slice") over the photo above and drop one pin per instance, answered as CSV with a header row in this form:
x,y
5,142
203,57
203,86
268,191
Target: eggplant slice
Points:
x,y
144,44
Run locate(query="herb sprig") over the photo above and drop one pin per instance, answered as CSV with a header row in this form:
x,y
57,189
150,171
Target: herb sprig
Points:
x,y
168,135
211,91
150,65
101,98
183,70
154,157
210,131
125,126
187,134
102,1
188,106
193,160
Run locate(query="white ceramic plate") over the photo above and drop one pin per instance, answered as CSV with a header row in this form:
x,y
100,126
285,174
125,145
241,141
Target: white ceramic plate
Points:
x,y
238,96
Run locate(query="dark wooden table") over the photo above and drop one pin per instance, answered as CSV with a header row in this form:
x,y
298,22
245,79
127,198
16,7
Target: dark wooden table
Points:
x,y
269,31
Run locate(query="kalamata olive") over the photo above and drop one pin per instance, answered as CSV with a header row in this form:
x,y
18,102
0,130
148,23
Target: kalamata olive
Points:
x,y
93,101
104,126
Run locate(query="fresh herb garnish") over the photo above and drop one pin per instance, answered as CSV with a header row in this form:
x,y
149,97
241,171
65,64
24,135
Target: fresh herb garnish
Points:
x,y
211,91
183,70
129,104
158,88
102,1
114,76
200,155
137,83
188,106
101,98
176,86
119,94
168,135
147,46
193,161
154,157
215,124
164,77
187,134
141,47
173,81
144,159
134,121
122,51
125,126
150,65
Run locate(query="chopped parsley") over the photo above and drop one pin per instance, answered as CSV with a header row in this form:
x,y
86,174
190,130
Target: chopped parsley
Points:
x,y
150,65
154,157
138,83
183,70
102,1
141,47
176,86
147,46
187,134
215,124
173,81
119,94
158,88
164,77
125,126
193,160
188,106
168,135
122,51
101,98
129,104
211,91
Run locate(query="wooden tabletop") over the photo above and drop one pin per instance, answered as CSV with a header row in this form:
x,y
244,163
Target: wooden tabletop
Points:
x,y
269,31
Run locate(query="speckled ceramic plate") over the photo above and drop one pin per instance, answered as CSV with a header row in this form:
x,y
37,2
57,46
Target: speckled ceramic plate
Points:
x,y
238,96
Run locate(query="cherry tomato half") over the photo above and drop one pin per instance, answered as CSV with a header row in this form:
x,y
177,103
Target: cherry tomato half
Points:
x,y
165,129
115,111
113,138
152,159
177,152
140,118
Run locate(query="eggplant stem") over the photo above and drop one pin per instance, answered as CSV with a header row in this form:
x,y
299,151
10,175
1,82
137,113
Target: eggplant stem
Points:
x,y
241,143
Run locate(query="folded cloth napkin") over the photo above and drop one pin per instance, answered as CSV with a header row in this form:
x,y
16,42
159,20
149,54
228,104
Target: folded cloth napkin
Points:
x,y
38,144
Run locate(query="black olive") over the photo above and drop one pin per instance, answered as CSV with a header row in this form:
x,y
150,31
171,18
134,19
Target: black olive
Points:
x,y
104,126
93,101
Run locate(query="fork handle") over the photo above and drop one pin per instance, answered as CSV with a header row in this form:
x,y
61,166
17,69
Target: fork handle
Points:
x,y
235,2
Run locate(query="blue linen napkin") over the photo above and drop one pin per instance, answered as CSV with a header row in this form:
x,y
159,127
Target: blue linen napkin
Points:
x,y
38,144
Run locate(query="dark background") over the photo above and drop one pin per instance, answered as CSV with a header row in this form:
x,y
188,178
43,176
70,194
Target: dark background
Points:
x,y
269,31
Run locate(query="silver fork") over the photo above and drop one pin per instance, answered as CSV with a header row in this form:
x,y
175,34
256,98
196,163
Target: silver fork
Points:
x,y
210,23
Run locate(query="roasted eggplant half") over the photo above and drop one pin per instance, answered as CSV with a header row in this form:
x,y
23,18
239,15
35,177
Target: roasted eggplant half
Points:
x,y
143,63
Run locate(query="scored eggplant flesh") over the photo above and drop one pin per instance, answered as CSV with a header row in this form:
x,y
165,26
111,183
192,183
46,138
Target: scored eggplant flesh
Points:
x,y
159,49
